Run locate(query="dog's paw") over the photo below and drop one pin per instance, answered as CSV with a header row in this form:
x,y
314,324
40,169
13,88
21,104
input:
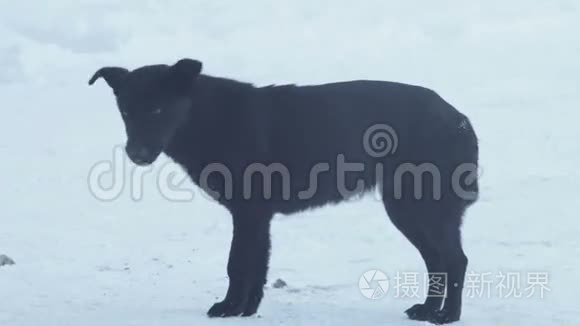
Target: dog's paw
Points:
x,y
421,312
443,316
253,304
227,309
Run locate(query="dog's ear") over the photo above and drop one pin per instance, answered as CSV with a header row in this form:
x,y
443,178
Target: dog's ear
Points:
x,y
112,75
184,73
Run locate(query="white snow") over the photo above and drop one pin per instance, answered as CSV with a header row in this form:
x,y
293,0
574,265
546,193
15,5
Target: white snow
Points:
x,y
512,67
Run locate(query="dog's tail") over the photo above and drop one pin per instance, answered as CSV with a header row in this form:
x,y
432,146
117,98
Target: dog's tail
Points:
x,y
467,171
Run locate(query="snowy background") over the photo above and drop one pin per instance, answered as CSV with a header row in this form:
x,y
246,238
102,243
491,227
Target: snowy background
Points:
x,y
513,67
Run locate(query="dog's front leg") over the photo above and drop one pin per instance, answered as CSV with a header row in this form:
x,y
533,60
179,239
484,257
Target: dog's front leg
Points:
x,y
247,265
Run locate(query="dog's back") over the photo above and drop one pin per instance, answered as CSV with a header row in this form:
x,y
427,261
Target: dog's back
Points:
x,y
331,126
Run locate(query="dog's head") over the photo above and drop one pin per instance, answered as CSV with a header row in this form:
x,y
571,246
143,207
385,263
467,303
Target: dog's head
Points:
x,y
154,102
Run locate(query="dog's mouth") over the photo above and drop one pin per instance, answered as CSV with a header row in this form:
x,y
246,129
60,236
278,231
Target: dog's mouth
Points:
x,y
142,161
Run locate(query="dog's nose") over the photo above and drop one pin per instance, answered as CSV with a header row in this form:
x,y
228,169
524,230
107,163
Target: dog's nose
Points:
x,y
138,152
139,155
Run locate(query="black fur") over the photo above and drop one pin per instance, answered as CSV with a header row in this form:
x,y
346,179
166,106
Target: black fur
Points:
x,y
199,120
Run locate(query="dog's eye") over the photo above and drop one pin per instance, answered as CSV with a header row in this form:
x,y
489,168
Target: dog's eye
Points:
x,y
156,111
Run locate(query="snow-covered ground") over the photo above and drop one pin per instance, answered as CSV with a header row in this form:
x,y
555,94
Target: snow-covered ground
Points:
x,y
512,66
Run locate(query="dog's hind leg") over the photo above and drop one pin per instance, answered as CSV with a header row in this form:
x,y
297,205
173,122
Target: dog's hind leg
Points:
x,y
409,224
448,239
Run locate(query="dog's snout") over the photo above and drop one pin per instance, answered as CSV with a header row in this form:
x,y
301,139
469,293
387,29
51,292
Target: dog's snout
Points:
x,y
138,152
140,155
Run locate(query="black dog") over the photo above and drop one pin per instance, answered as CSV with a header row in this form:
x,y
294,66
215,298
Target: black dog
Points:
x,y
282,149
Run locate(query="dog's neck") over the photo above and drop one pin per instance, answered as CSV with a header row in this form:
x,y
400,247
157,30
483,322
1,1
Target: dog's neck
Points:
x,y
216,104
